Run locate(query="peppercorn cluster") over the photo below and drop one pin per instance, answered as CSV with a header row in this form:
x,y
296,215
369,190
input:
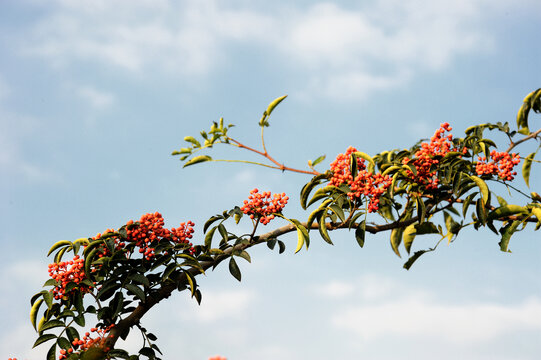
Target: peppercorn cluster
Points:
x,y
262,206
502,164
426,159
149,231
365,183
66,272
81,345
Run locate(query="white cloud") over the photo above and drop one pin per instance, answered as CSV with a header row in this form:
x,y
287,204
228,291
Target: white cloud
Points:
x,y
335,289
419,317
379,307
98,99
339,52
217,305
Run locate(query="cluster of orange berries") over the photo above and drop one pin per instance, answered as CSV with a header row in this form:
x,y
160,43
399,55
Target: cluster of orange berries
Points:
x,y
211,358
66,272
87,342
263,205
502,164
365,183
425,162
150,231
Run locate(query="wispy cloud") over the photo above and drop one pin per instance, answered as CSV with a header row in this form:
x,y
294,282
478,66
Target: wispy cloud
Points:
x,y
218,305
97,98
379,307
337,52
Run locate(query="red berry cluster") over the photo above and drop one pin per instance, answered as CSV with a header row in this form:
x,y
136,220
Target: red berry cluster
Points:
x,y
66,272
149,231
425,162
502,164
82,345
263,206
365,183
214,358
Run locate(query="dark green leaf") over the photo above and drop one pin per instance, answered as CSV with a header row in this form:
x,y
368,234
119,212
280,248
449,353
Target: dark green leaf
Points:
x,y
426,228
63,343
322,227
210,221
360,232
208,237
51,324
43,338
234,269
414,258
136,290
51,354
396,239
139,278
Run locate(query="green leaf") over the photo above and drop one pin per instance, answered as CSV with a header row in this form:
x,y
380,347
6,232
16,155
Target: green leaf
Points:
x,y
136,290
209,235
139,278
274,104
234,269
51,354
338,211
504,211
360,233
307,188
198,159
421,209
318,160
302,235
72,333
408,236
192,140
366,157
323,228
522,116
320,194
507,232
526,168
467,202
43,338
396,239
108,287
281,247
426,228
58,245
210,221
34,312
243,254
63,343
482,187
223,232
51,324
414,258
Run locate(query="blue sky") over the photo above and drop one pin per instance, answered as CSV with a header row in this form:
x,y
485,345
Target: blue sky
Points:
x,y
94,96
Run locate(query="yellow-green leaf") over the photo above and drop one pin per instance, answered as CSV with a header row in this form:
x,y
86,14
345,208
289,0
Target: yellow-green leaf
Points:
x,y
396,239
507,210
482,187
57,245
526,168
198,159
274,104
408,236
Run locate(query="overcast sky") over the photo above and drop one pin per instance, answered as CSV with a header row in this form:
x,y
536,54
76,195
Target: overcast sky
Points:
x,y
94,96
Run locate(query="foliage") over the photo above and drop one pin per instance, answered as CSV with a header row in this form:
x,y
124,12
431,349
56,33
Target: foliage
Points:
x,y
437,187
